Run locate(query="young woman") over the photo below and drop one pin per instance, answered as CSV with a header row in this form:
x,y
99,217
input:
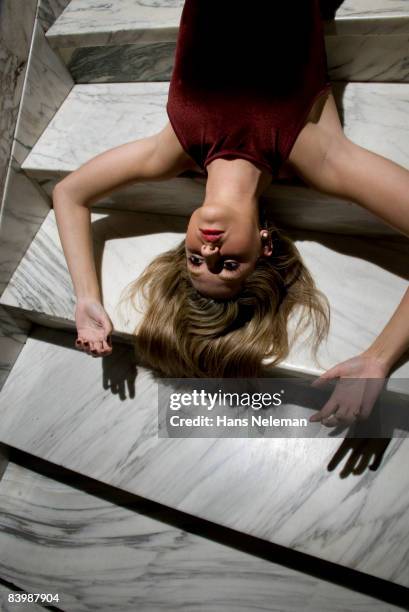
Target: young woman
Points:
x,y
249,101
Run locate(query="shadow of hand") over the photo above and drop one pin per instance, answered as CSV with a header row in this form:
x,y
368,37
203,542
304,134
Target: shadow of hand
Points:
x,y
362,450
119,371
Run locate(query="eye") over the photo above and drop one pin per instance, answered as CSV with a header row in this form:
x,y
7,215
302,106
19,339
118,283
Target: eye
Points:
x,y
196,261
231,265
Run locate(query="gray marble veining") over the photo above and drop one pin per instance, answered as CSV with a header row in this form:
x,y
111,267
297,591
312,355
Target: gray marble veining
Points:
x,y
46,86
366,58
370,281
374,116
49,10
23,204
10,606
13,334
134,41
380,58
120,63
371,17
98,418
130,21
127,21
99,556
34,83
16,25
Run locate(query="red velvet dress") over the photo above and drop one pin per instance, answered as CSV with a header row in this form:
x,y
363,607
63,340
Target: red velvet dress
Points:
x,y
245,77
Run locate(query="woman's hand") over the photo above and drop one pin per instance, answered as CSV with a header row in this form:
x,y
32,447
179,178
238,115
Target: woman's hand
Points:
x,y
361,381
94,328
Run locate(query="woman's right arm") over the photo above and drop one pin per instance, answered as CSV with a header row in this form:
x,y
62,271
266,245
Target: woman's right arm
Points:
x,y
153,158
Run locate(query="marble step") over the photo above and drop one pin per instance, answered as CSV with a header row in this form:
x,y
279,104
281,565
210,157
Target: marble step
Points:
x,y
98,419
94,118
133,41
364,280
99,555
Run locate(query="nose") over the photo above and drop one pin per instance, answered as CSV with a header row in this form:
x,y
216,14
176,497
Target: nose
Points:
x,y
209,251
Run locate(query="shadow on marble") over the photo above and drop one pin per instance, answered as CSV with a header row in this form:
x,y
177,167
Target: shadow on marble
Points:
x,y
150,536
391,253
125,243
368,439
279,490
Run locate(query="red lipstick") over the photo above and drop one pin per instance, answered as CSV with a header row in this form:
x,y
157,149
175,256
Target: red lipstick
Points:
x,y
211,235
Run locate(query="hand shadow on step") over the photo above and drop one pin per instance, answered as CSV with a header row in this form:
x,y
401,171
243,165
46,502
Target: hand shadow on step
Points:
x,y
119,371
366,441
361,453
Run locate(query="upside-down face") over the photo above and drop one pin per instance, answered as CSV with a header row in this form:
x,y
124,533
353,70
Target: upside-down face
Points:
x,y
222,248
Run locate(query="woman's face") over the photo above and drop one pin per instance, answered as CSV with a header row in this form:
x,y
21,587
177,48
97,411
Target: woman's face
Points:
x,y
218,263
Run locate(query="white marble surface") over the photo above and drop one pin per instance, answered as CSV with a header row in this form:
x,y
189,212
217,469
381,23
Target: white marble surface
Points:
x,y
120,63
23,204
99,556
370,279
99,418
130,21
47,84
8,606
13,334
379,58
135,41
374,116
371,17
126,21
16,26
49,10
382,58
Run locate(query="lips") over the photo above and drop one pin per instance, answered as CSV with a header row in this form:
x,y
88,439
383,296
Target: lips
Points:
x,y
211,235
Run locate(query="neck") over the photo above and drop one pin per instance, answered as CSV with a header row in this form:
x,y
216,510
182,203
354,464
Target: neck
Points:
x,y
235,183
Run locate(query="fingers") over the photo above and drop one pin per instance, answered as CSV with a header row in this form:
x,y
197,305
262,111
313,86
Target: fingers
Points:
x,y
95,348
332,414
328,375
326,411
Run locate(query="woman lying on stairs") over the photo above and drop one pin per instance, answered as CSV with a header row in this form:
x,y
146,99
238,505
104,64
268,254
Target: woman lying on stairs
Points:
x,y
249,97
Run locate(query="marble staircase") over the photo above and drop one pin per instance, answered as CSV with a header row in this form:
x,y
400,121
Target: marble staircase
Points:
x,y
94,551
126,241
210,524
374,116
366,41
310,516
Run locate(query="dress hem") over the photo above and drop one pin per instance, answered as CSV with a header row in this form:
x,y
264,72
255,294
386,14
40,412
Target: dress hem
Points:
x,y
239,155
180,139
327,88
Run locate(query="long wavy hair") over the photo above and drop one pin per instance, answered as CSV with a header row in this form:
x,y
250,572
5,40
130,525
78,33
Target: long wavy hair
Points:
x,y
185,334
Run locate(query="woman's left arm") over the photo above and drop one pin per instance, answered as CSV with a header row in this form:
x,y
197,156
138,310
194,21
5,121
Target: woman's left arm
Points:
x,y
371,366
393,340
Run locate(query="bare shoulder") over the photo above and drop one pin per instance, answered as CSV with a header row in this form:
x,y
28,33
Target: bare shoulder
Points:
x,y
169,148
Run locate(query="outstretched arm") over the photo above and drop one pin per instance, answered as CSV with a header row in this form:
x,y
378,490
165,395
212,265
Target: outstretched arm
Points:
x,y
393,341
156,157
333,164
369,369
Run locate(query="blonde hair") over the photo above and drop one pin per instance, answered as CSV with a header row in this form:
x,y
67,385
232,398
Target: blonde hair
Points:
x,y
185,334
